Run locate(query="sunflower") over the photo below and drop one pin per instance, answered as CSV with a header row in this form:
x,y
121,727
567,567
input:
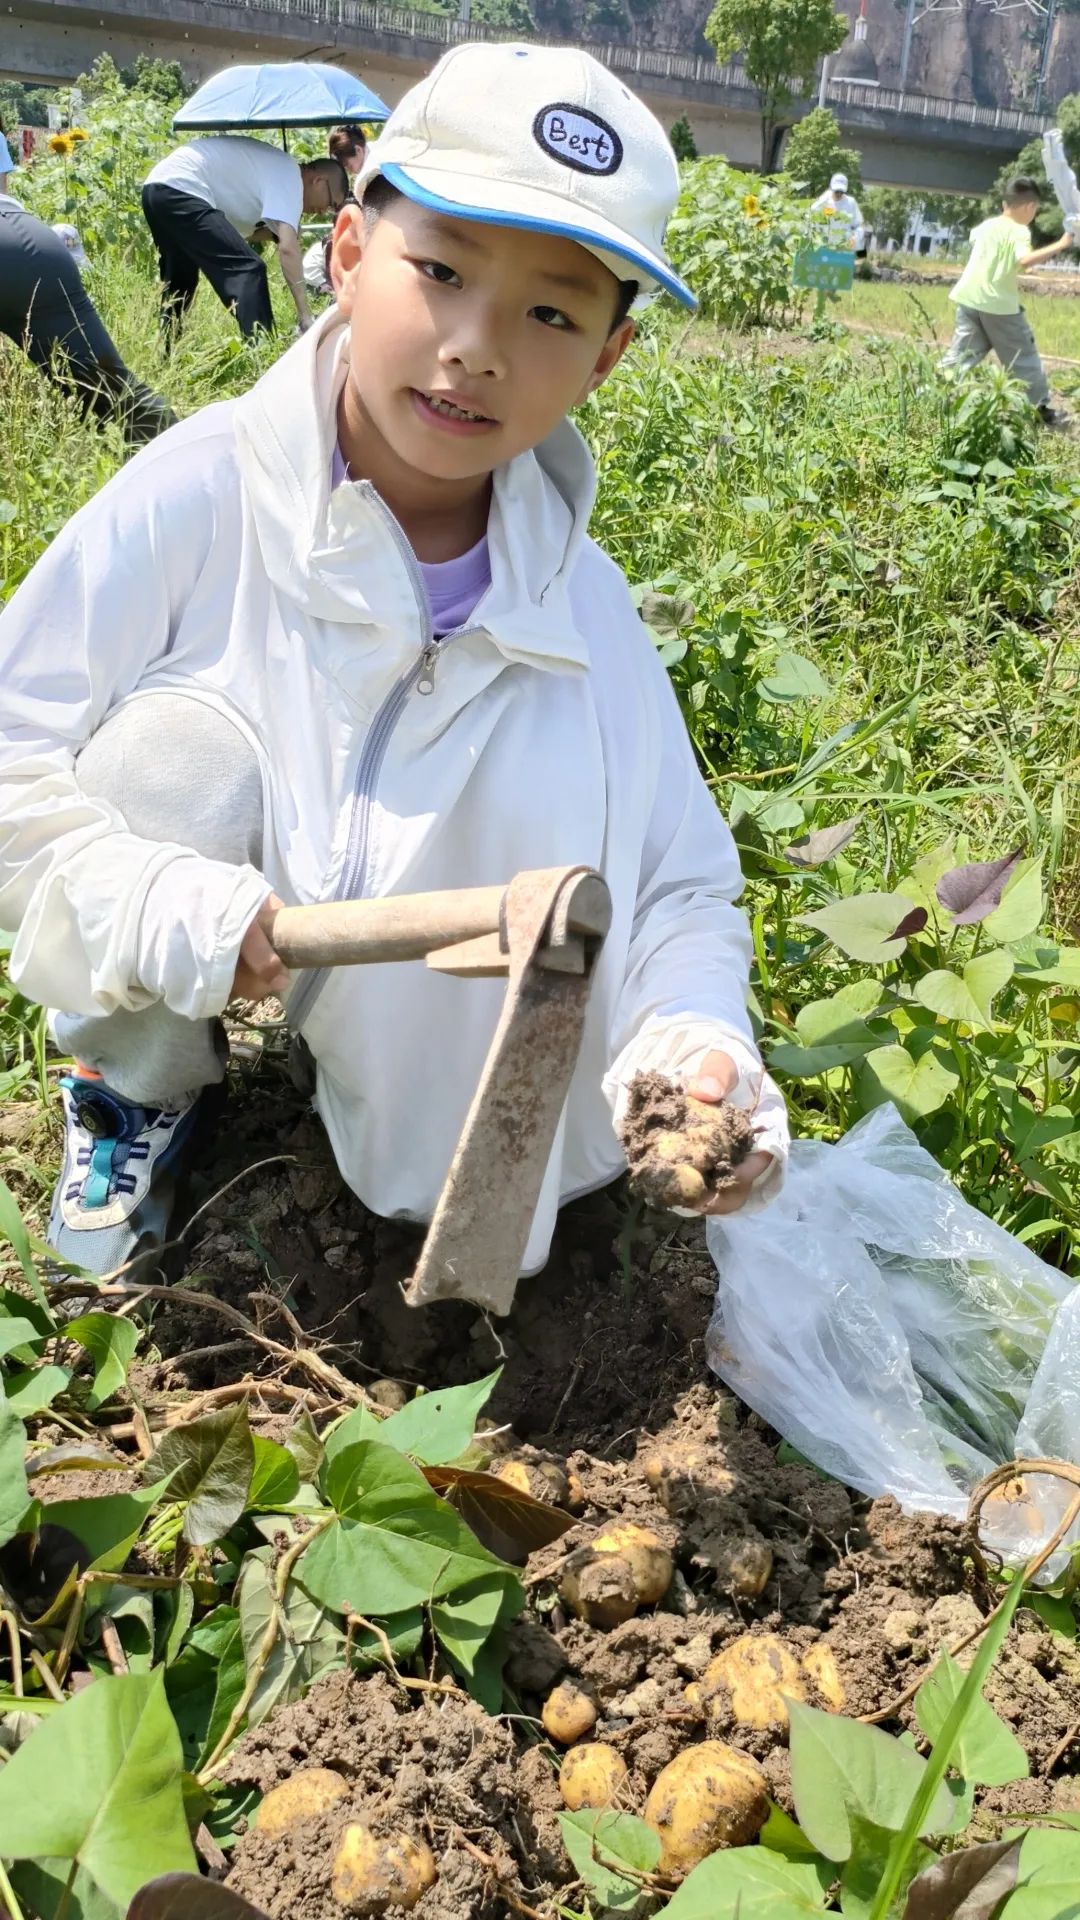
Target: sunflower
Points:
x,y
78,133
751,204
63,144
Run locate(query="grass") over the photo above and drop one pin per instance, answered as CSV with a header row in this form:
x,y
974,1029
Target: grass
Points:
x,y
926,313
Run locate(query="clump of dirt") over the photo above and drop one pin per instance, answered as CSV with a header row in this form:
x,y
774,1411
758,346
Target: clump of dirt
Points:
x,y
603,1362
437,1768
681,1152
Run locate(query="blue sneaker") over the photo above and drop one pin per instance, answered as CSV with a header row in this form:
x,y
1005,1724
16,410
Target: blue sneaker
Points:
x,y
117,1190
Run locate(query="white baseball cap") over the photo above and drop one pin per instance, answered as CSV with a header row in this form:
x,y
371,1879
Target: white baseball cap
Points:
x,y
70,237
538,137
838,183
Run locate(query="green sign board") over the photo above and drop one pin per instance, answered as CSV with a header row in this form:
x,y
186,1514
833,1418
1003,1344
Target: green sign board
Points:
x,y
824,269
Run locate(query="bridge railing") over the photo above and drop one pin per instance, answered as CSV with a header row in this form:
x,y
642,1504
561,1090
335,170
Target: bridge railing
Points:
x,y
645,62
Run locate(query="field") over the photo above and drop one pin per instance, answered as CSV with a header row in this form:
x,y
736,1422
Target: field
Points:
x,y
325,1558
924,312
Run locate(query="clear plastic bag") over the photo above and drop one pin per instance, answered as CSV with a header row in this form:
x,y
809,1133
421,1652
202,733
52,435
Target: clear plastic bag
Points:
x,y
892,1333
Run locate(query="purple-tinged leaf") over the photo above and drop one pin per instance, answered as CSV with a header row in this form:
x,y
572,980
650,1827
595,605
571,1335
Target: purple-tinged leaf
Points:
x,y
969,1885
970,893
912,922
187,1896
824,843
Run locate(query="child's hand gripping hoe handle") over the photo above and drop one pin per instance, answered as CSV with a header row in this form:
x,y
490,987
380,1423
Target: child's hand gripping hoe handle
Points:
x,y
542,932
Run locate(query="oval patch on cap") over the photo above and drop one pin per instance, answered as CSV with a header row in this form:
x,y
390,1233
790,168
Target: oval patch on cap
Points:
x,y
578,138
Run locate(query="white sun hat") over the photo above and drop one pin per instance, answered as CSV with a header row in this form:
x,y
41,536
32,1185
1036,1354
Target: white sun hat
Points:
x,y
70,237
838,183
543,138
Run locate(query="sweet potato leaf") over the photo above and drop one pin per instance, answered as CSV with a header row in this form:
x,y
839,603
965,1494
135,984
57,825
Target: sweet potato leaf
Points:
x,y
968,1885
395,1544
508,1522
753,1883
971,892
275,1478
13,1230
867,926
599,1844
14,1494
208,1463
469,1626
1048,1879
823,843
308,1641
98,1785
840,1769
986,1752
187,1896
111,1342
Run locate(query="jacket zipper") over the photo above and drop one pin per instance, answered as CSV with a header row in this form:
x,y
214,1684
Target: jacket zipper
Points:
x,y
419,678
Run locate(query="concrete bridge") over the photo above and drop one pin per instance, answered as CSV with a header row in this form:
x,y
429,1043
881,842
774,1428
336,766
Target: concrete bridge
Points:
x,y
906,140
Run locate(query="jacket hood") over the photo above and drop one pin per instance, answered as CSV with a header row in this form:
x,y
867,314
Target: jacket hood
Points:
x,y
339,554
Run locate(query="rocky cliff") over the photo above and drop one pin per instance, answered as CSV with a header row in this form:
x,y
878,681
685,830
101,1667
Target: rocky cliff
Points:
x,y
963,50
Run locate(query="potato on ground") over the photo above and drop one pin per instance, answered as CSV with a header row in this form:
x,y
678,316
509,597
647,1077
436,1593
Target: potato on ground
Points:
x,y
370,1874
312,1791
542,1479
591,1776
624,1569
569,1714
756,1675
709,1796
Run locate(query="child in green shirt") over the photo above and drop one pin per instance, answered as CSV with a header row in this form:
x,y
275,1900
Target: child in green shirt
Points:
x,y
989,316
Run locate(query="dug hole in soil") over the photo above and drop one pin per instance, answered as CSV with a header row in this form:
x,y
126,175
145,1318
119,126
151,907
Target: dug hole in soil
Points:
x,y
603,1369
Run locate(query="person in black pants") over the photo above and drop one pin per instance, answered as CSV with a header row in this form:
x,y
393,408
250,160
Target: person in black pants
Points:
x,y
47,311
205,201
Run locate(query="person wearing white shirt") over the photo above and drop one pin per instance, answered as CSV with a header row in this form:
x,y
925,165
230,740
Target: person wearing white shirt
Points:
x,y
846,228
203,203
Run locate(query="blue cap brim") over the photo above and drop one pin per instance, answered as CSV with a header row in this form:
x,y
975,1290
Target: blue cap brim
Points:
x,y
653,269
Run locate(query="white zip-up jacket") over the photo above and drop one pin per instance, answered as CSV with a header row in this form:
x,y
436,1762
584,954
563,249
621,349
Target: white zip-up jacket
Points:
x,y
220,564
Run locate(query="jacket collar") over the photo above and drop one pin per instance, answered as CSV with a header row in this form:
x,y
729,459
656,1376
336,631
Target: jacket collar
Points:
x,y
342,557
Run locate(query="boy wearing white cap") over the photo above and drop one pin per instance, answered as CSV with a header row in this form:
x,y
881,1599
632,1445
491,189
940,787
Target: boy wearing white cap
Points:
x,y
348,636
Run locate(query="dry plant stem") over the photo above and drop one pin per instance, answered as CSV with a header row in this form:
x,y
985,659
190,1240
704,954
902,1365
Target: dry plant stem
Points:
x,y
492,1867
45,1675
266,1646
110,1640
400,1679
1061,1749
12,1626
1012,1470
303,1357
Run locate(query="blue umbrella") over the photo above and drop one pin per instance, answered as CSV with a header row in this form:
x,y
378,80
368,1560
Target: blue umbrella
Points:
x,y
288,93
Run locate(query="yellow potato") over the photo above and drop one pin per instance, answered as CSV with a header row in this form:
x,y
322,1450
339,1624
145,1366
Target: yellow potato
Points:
x,y
709,1796
543,1480
647,1555
760,1675
369,1875
312,1791
820,1664
600,1588
744,1567
575,1492
568,1714
591,1776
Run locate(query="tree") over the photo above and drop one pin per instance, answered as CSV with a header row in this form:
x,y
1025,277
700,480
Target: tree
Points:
x,y
781,42
1048,223
158,79
888,212
814,152
682,139
23,106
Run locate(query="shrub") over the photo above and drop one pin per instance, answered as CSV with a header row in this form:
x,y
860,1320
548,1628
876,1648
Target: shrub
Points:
x,y
735,236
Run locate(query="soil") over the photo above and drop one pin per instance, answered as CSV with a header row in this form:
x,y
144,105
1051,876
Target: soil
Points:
x,y
680,1152
603,1365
